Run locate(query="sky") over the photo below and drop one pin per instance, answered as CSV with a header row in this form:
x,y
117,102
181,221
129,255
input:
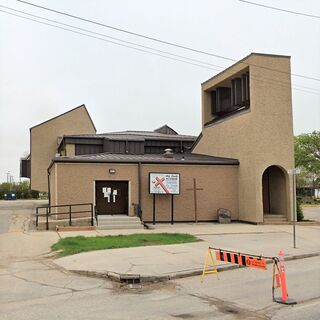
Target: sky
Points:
x,y
45,71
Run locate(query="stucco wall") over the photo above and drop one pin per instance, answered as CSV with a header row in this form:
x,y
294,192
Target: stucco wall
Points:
x,y
259,138
43,142
70,149
75,184
76,181
220,190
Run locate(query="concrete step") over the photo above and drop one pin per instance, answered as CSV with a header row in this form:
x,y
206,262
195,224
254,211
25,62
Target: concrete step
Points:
x,y
275,216
118,227
111,222
108,222
275,219
116,223
117,218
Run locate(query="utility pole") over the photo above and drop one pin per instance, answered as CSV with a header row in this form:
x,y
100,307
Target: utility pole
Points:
x,y
8,176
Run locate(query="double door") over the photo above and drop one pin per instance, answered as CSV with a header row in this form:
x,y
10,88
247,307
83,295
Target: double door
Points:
x,y
111,197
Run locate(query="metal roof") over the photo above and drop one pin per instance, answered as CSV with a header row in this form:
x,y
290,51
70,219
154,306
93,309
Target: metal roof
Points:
x,y
135,135
184,158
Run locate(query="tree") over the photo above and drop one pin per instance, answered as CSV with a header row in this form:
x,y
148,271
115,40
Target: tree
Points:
x,y
307,157
21,189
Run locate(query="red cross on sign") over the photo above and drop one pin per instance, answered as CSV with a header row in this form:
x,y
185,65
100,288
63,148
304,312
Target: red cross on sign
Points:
x,y
160,182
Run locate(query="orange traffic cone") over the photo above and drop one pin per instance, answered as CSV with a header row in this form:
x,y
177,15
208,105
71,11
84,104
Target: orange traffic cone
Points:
x,y
284,295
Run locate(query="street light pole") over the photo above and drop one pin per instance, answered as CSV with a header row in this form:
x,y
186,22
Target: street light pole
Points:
x,y
294,172
294,208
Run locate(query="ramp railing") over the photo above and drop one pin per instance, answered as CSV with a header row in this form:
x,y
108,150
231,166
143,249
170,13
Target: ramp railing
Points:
x,y
66,211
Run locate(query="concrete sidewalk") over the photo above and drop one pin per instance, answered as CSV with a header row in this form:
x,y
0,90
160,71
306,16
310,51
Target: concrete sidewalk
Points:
x,y
172,261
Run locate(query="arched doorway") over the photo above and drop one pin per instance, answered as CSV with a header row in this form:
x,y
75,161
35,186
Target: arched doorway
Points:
x,y
274,191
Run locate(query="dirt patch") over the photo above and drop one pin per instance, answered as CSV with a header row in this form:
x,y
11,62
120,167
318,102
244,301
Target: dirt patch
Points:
x,y
143,288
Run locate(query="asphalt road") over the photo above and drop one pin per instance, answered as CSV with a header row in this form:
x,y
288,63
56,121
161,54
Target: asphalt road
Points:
x,y
8,209
4,222
36,290
31,287
14,208
312,213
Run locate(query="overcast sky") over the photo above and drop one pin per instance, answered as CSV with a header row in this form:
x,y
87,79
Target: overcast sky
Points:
x,y
46,71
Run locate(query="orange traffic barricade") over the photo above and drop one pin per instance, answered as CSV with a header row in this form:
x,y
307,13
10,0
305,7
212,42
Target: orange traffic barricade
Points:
x,y
251,261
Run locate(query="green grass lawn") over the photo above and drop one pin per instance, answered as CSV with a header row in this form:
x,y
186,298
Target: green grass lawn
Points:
x,y
81,244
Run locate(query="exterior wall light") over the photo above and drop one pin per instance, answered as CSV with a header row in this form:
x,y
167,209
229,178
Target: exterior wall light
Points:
x,y
112,171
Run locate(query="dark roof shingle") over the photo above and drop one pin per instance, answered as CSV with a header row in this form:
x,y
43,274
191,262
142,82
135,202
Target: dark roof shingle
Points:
x,y
135,135
187,158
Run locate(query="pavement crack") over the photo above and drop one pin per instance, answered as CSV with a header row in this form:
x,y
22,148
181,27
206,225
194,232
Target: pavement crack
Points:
x,y
131,267
33,299
37,282
228,307
69,297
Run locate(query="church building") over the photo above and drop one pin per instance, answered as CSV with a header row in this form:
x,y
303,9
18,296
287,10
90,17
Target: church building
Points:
x,y
238,162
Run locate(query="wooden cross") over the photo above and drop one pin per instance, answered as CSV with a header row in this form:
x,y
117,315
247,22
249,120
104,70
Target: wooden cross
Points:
x,y
195,189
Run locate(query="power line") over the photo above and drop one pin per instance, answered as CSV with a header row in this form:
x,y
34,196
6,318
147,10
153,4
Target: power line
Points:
x,y
135,44
279,9
114,38
160,41
113,42
125,31
272,81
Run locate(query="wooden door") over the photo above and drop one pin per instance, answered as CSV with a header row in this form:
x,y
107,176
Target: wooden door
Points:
x,y
112,197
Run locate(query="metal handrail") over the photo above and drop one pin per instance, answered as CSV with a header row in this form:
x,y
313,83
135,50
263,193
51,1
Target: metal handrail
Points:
x,y
65,205
48,212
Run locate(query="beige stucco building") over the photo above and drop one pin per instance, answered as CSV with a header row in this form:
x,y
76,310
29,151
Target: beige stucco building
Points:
x,y
259,135
44,139
238,162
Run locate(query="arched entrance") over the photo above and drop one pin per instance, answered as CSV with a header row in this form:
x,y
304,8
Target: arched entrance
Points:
x,y
274,191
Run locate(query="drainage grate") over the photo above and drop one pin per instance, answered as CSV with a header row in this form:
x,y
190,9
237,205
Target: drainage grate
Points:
x,y
131,280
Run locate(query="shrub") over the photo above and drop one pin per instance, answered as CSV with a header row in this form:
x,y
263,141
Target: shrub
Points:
x,y
34,194
300,215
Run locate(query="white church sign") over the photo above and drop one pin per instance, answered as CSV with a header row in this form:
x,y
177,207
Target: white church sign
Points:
x,y
164,183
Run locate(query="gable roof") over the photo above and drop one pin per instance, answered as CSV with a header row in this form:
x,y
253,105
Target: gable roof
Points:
x,y
166,130
134,135
62,114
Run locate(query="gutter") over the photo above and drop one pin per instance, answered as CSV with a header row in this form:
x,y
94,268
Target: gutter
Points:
x,y
233,162
140,195
139,190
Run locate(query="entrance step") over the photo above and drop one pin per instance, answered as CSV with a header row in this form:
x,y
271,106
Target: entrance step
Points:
x,y
275,219
106,222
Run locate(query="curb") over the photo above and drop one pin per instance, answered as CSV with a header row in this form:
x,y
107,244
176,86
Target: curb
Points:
x,y
124,277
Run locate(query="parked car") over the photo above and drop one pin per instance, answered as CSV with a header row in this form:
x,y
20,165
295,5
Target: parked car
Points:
x,y
10,196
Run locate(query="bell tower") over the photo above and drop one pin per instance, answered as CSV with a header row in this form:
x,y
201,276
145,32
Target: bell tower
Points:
x,y
247,115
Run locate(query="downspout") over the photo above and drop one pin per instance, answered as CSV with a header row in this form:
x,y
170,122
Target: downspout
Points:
x,y
139,191
49,172
140,194
49,196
